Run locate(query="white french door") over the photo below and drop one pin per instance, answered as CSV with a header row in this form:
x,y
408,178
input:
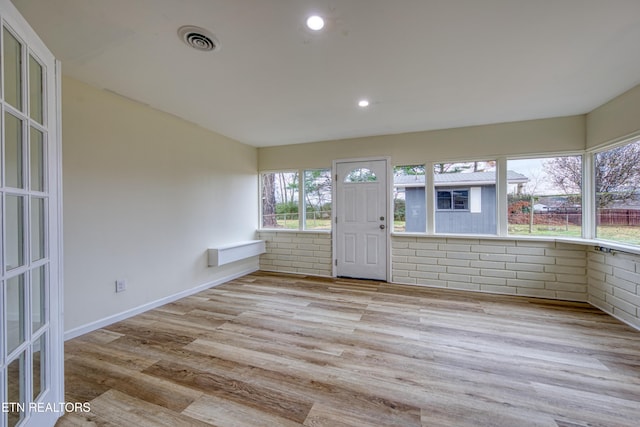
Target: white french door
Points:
x,y
361,228
31,349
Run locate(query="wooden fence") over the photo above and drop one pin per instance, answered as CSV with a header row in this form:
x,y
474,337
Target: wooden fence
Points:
x,y
611,217
619,217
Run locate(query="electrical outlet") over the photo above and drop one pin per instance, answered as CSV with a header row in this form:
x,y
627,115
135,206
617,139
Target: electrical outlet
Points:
x,y
121,285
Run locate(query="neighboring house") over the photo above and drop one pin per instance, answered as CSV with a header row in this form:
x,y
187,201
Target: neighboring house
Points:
x,y
465,202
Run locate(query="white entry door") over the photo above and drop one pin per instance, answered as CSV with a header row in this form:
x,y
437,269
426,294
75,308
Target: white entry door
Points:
x,y
31,349
361,219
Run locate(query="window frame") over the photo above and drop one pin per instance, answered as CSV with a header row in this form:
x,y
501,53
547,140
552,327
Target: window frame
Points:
x,y
301,222
417,168
303,204
452,191
261,204
593,190
589,210
462,165
584,205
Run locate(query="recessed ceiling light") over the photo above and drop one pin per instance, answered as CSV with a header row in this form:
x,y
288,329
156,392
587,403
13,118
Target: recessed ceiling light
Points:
x,y
363,103
315,23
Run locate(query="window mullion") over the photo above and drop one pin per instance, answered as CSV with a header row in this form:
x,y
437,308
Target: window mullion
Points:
x,y
588,197
430,198
502,218
302,210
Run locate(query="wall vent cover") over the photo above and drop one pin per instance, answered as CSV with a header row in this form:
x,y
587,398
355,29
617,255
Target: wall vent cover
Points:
x,y
198,38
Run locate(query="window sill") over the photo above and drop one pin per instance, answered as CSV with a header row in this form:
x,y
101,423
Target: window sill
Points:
x,y
290,230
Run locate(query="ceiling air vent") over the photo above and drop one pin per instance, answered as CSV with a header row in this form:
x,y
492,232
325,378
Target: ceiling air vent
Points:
x,y
198,38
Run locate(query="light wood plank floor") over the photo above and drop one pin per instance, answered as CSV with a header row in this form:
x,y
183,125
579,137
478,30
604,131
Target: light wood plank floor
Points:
x,y
280,350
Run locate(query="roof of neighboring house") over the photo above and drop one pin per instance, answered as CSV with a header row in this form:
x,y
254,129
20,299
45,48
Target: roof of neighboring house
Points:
x,y
458,179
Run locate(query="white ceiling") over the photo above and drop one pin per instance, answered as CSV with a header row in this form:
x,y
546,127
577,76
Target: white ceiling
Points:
x,y
423,64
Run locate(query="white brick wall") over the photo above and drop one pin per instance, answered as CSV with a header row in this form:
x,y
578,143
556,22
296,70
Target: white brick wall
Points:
x,y
517,267
301,252
614,284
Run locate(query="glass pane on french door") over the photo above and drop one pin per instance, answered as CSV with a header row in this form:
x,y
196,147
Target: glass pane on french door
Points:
x,y
12,60
30,330
14,151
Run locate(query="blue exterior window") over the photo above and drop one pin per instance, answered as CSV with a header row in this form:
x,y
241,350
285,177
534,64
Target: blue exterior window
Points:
x,y
453,200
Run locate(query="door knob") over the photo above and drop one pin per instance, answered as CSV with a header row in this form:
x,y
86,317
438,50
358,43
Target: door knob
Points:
x,y
382,227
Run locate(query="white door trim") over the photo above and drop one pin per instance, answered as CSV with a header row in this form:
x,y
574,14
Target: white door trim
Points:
x,y
53,387
389,211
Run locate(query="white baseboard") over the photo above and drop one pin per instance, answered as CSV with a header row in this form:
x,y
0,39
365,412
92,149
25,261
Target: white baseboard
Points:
x,y
89,327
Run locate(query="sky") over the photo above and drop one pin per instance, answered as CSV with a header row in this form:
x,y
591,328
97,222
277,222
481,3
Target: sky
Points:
x,y
538,179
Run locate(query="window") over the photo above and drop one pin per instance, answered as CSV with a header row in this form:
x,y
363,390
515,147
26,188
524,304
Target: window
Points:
x,y
465,197
544,196
409,201
280,198
361,175
617,188
453,199
285,206
317,199
444,200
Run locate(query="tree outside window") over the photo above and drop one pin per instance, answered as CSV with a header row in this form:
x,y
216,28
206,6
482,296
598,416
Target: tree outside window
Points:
x,y
317,199
548,201
617,195
280,200
617,188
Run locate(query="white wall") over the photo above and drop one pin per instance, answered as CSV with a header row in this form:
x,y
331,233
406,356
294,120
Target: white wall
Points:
x,y
145,195
563,134
617,119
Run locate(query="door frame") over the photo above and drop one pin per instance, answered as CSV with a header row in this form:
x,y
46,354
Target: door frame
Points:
x,y
389,210
54,393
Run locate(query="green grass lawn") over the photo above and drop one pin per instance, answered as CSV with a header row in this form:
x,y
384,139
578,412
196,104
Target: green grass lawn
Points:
x,y
545,230
312,224
318,224
621,234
